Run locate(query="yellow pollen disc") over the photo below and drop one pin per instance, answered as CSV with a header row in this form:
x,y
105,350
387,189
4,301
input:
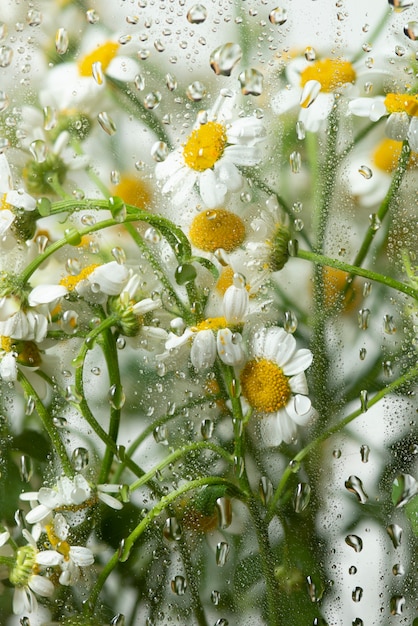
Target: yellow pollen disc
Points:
x,y
335,281
71,282
215,229
3,203
265,386
211,323
104,54
133,191
205,146
331,73
386,155
58,544
6,344
402,103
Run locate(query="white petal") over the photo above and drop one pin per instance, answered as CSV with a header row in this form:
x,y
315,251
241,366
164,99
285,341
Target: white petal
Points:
x,y
298,384
21,200
246,131
300,410
38,514
6,181
4,537
44,294
111,278
8,368
203,352
6,220
372,108
123,68
397,126
83,557
146,305
41,585
228,174
48,558
212,191
413,134
299,362
235,304
310,92
229,347
110,501
175,341
23,601
49,497
243,155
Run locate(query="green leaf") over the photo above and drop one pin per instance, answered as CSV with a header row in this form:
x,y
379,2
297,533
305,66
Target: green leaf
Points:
x,y
411,510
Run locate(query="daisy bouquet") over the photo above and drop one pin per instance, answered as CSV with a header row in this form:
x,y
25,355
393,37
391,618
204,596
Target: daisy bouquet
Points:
x,y
208,313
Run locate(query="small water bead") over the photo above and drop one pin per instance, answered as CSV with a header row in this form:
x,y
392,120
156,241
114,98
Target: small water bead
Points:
x,y
354,485
400,51
222,552
25,467
310,54
387,368
364,453
4,102
172,530
298,224
171,82
117,620
196,91
251,82
92,16
6,56
352,570
29,405
368,87
357,622
224,58
3,31
355,542
24,621
336,454
357,594
139,82
185,274
397,604
34,17
314,593
278,16
197,14
375,222
221,622
224,509
406,489
107,123
290,322
152,100
120,343
178,585
206,428
365,171
215,597
367,289
300,130
160,434
389,325
80,459
59,422
411,30
364,400
152,235
119,255
61,41
363,319
362,354
116,396
38,150
239,466
302,497
295,161
265,490
395,533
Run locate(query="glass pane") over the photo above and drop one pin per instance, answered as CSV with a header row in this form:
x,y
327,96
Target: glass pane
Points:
x,y
208,312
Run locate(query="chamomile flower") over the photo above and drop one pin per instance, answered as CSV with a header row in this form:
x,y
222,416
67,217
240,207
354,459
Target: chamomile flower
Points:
x,y
402,111
211,156
11,198
216,336
313,86
273,383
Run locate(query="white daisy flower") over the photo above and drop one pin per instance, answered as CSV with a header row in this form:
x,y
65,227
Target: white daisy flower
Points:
x,y
313,86
216,336
26,580
10,197
402,109
211,156
68,558
274,384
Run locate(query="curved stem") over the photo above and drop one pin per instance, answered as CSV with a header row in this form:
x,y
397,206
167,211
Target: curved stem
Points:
x,y
48,425
405,378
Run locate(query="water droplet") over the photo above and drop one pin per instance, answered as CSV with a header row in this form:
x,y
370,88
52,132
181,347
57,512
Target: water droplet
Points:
x,y
39,150
367,289
26,468
278,16
290,322
387,368
178,585
293,247
97,72
375,222
300,132
206,428
59,422
239,466
354,485
358,622
225,58
395,533
362,354
389,325
118,620
365,171
298,224
221,622
363,318
139,82
172,530
116,396
314,593
119,255
106,123
152,235
171,82
357,594
160,434
265,490
224,508
159,151
336,453
408,487
295,161
396,605
310,54
185,274
400,5
6,56
30,405
352,570
411,30
24,621
215,597
196,91
80,459
398,569
92,16
197,14
364,453
117,208
355,542
34,17
61,41
222,551
152,100
251,81
302,497
364,400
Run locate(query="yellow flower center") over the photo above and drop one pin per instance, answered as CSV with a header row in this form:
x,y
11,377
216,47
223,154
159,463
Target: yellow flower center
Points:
x,y
104,54
133,191
205,146
387,154
61,546
211,323
331,73
26,352
215,229
402,103
335,281
265,386
71,282
3,203
25,566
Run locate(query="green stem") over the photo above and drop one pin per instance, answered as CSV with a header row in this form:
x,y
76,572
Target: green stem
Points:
x,y
177,454
354,270
8,560
391,387
48,425
384,207
129,542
